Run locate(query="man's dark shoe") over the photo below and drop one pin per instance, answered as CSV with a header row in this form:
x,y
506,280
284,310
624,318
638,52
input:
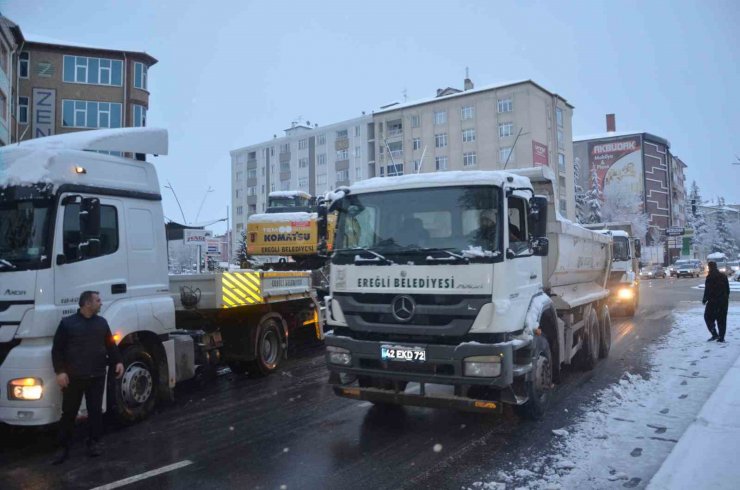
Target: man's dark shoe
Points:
x,y
712,338
61,456
93,449
721,340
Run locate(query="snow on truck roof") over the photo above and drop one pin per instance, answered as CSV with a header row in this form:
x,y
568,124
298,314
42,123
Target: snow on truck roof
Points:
x,y
151,141
289,194
439,179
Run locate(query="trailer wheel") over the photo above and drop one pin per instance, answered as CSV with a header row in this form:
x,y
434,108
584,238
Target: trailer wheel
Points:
x,y
605,344
269,346
589,353
540,383
132,398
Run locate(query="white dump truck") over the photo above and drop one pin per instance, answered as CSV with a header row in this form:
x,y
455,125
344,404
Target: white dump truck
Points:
x,y
462,289
624,279
76,216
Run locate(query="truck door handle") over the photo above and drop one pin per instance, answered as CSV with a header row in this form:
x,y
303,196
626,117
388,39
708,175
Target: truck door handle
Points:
x,y
118,288
533,276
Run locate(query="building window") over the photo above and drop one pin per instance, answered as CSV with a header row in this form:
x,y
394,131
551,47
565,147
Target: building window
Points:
x,y
417,143
252,208
303,144
358,173
252,173
3,58
357,131
506,153
470,159
239,176
321,179
272,187
239,227
467,112
415,121
321,159
440,117
139,116
505,129
239,210
238,193
342,134
468,135
303,162
321,139
441,163
285,148
382,171
343,154
417,165
89,114
303,182
395,170
561,140
94,71
561,162
3,107
505,105
358,152
140,74
343,175
559,116
440,140
23,110
24,63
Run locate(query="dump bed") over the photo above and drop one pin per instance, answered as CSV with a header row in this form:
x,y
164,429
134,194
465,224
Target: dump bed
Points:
x,y
237,289
579,260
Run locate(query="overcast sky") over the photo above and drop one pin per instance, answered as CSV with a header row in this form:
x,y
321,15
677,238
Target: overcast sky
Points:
x,y
233,73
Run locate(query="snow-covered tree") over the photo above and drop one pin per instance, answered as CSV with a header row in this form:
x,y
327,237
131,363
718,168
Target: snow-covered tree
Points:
x,y
593,201
241,250
581,203
623,205
703,232
723,240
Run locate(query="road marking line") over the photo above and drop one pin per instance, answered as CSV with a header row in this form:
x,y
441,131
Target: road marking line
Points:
x,y
144,476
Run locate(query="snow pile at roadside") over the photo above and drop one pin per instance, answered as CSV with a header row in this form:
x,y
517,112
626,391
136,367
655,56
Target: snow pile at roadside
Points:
x,y
624,436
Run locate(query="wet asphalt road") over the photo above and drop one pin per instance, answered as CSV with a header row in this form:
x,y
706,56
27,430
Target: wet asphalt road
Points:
x,y
289,430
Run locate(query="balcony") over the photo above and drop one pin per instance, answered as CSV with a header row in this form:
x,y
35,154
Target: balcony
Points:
x,y
395,132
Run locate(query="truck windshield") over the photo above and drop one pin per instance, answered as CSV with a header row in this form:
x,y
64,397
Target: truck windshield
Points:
x,y
464,220
621,248
24,225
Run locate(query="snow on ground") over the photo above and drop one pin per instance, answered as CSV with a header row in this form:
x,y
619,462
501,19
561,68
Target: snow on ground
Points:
x,y
734,286
624,436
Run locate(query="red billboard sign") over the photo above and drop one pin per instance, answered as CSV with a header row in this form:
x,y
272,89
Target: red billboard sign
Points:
x,y
617,162
539,154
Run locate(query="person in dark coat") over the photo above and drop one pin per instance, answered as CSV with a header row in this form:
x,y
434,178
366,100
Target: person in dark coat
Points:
x,y
717,298
83,347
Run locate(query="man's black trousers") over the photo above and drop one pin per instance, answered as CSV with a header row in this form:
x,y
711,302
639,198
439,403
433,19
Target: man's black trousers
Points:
x,y
93,389
716,312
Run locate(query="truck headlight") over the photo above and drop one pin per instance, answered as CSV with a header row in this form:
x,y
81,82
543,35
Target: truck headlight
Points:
x,y
626,293
482,366
338,355
25,389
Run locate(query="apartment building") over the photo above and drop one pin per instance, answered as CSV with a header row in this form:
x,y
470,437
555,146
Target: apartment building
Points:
x,y
311,158
9,38
512,125
65,88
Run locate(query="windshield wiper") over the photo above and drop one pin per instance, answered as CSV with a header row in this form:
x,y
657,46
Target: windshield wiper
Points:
x,y
451,256
377,258
8,264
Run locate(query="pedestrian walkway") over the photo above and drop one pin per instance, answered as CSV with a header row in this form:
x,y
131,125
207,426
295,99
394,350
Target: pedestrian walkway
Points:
x,y
706,454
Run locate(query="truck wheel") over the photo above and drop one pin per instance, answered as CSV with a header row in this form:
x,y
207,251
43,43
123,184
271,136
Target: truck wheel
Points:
x,y
269,349
540,384
605,344
132,398
589,353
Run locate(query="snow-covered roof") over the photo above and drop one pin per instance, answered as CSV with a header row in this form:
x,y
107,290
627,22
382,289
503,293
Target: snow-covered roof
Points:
x,y
438,179
289,194
300,217
39,39
618,134
150,141
484,88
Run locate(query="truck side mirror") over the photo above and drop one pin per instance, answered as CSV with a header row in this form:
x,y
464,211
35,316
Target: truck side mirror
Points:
x,y
540,246
638,247
538,216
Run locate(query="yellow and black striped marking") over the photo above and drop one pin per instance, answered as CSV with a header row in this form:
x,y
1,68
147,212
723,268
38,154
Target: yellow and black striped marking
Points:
x,y
240,288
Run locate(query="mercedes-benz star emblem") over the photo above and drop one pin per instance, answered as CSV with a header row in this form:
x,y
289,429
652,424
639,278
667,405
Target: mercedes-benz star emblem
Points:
x,y
403,308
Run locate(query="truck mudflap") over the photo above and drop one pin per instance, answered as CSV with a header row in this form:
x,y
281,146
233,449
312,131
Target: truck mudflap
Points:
x,y
377,395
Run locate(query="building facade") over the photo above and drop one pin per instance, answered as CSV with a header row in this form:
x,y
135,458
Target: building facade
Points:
x,y
636,169
9,38
65,88
313,159
514,125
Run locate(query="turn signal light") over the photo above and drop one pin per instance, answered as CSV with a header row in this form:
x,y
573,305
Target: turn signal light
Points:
x,y
80,170
626,293
25,389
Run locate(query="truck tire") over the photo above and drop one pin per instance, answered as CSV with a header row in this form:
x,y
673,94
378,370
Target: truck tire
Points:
x,y
605,322
132,398
269,349
589,353
540,384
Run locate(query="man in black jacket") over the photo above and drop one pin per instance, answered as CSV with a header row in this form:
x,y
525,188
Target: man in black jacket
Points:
x,y
83,347
717,298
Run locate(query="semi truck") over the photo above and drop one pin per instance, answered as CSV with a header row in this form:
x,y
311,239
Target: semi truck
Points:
x,y
463,290
624,279
77,214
